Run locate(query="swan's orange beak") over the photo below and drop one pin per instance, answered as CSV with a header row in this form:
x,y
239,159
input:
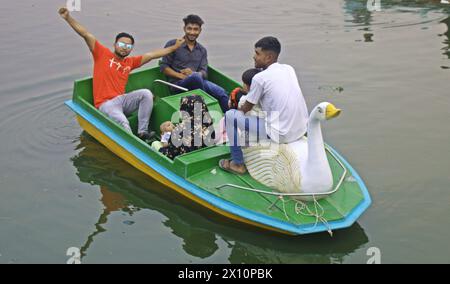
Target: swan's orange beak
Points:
x,y
332,111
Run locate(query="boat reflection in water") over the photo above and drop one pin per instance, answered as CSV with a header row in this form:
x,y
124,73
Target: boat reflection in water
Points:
x,y
124,189
446,42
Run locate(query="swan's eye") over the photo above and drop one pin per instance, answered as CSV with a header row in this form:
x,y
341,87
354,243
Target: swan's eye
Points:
x,y
320,110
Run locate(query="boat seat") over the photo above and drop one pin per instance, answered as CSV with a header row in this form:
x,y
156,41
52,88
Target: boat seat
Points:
x,y
167,108
200,160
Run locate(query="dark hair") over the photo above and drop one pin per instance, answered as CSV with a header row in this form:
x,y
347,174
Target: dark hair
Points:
x,y
248,75
269,43
121,35
193,19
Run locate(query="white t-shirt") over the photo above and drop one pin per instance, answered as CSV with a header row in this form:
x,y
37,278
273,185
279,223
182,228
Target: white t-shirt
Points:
x,y
277,90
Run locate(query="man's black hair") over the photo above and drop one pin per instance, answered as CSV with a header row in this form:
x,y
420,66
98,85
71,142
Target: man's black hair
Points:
x,y
269,43
121,35
248,75
193,19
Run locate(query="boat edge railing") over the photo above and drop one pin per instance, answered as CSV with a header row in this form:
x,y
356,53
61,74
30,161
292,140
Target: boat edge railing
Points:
x,y
280,194
171,85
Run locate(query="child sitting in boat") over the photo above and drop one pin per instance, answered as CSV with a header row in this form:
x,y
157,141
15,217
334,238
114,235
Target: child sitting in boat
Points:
x,y
238,95
237,98
166,129
195,131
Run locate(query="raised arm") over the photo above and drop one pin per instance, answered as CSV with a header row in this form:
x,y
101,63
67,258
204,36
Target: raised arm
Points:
x,y
161,52
82,31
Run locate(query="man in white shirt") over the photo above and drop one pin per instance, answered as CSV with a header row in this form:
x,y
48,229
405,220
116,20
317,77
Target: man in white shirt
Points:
x,y
277,90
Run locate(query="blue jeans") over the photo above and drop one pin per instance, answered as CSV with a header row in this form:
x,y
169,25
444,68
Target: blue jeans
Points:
x,y
236,119
196,81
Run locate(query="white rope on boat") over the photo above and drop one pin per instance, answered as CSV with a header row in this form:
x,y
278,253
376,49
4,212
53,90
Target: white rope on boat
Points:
x,y
309,212
316,214
304,206
284,207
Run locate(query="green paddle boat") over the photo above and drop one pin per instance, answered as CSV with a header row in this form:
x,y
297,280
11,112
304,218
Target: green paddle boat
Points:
x,y
197,176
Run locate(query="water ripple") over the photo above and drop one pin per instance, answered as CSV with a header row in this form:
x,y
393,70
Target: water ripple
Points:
x,y
38,127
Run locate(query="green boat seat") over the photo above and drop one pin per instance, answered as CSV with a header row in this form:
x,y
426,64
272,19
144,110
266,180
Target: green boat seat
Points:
x,y
167,108
200,160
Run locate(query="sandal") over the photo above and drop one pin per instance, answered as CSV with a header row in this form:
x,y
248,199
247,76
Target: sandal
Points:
x,y
228,168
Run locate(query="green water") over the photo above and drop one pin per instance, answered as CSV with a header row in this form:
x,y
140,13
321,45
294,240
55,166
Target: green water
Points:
x,y
388,70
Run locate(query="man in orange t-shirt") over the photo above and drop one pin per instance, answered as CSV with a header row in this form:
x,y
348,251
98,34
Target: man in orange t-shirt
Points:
x,y
111,71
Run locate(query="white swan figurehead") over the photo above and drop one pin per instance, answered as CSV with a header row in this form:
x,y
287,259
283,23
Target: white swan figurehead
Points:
x,y
298,167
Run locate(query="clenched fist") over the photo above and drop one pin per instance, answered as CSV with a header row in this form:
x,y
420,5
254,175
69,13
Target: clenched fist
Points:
x,y
64,13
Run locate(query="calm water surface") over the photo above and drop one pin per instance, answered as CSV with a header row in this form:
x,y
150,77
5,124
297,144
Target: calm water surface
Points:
x,y
388,70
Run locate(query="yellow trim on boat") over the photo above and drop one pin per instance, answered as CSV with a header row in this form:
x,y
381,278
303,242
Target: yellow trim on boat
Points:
x,y
132,160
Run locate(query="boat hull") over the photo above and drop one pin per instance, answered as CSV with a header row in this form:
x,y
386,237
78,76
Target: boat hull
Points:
x,y
135,162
